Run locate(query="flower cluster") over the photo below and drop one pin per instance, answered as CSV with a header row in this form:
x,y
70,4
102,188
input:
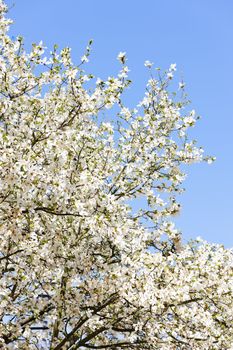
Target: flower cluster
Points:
x,y
80,266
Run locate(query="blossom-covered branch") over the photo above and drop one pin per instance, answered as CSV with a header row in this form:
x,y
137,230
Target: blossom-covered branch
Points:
x,y
81,267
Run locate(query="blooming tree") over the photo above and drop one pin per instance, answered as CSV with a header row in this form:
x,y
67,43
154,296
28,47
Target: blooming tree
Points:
x,y
81,266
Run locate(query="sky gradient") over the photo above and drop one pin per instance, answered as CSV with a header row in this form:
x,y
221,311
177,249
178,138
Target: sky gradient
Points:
x,y
197,36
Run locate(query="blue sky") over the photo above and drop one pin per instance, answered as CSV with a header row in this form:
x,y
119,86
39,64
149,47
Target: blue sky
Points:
x,y
197,36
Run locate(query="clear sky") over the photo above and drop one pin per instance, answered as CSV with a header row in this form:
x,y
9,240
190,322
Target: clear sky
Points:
x,y
197,36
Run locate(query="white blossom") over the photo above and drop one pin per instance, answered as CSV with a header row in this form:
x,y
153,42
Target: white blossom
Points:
x,y
89,256
122,57
148,64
